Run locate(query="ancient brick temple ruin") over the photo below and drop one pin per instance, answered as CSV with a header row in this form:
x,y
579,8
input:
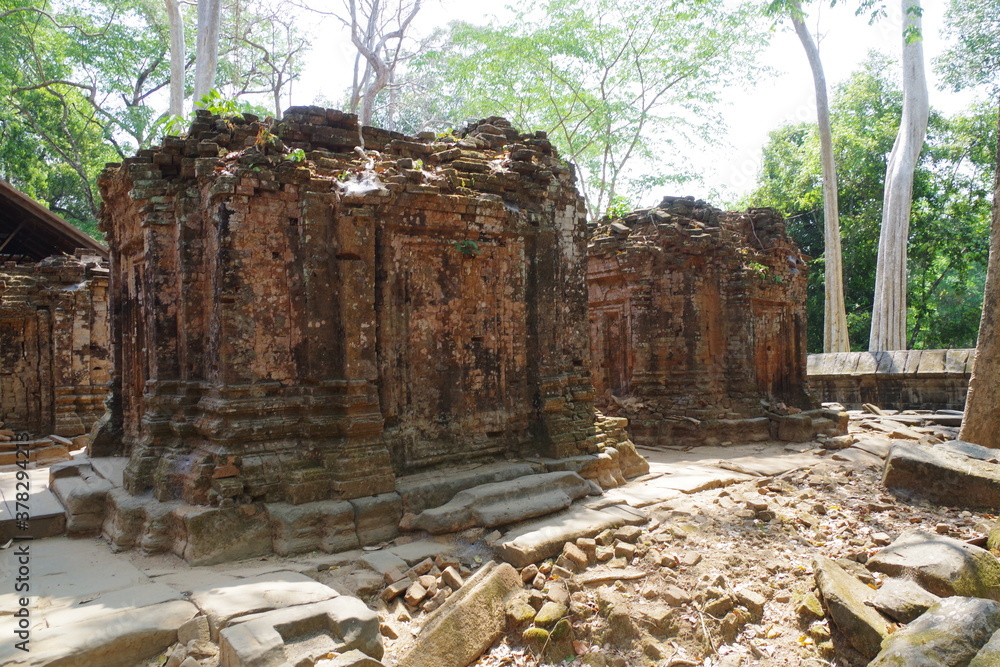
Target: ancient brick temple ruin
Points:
x,y
54,358
300,326
698,324
54,353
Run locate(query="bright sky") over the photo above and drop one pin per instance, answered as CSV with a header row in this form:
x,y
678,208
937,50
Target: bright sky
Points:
x,y
728,171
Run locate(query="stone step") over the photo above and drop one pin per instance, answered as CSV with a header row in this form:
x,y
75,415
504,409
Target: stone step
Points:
x,y
46,517
42,450
544,538
82,492
433,489
502,503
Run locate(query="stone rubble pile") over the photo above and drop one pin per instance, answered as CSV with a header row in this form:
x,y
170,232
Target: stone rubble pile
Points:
x,y
937,604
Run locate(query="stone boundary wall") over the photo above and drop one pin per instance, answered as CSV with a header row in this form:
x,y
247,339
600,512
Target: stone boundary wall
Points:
x,y
899,380
54,352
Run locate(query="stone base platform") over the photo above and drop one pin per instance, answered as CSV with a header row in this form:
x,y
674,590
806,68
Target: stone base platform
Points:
x,y
95,502
684,431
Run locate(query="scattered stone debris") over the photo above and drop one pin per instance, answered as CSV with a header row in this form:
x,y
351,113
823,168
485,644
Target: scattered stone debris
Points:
x,y
692,563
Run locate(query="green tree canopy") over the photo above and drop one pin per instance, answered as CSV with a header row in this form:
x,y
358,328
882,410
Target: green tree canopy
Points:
x,y
951,208
618,86
83,83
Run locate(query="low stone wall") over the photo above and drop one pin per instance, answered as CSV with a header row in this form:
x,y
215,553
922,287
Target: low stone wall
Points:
x,y
900,380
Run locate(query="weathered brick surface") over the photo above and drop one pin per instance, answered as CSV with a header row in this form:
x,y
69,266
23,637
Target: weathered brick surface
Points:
x,y
307,330
696,317
54,358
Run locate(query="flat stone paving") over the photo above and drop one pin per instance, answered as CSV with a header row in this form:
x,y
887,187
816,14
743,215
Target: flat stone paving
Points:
x,y
48,517
87,603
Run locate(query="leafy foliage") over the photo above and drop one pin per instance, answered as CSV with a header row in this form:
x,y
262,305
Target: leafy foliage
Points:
x,y
950,219
79,81
615,84
974,58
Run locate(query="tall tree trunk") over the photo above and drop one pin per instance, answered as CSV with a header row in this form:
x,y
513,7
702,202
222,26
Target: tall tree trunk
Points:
x,y
982,408
835,314
888,330
176,23
207,54
390,112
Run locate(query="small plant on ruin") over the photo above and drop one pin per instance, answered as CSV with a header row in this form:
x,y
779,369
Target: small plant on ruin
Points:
x,y
763,272
418,164
467,247
267,142
298,155
176,125
220,106
619,208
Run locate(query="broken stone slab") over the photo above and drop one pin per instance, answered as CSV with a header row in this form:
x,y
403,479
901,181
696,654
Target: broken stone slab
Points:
x,y
56,581
432,489
695,478
269,639
326,525
468,622
90,606
942,476
537,540
941,565
970,450
945,420
845,600
383,561
48,518
123,639
902,600
858,457
502,503
950,634
640,495
878,446
376,518
768,466
418,550
82,493
228,599
989,654
210,535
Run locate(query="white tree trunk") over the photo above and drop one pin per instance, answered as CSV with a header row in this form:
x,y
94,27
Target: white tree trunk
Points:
x,y
888,330
835,314
207,53
176,23
982,408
